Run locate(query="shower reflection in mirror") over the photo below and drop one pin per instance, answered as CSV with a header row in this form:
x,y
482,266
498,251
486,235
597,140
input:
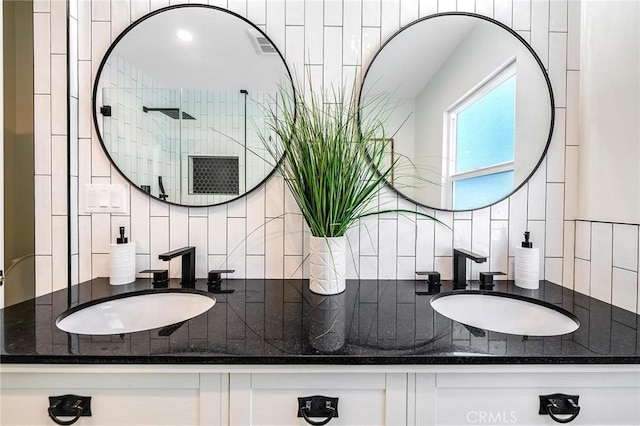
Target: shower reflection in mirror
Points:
x,y
197,147
179,103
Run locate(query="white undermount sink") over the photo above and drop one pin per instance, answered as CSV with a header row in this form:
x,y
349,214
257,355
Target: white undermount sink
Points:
x,y
135,311
505,313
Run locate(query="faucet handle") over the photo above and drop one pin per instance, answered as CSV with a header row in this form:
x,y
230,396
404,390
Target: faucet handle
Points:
x,y
214,280
160,277
433,282
432,276
486,279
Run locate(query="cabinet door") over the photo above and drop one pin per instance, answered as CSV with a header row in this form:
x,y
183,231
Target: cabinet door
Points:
x,y
507,398
272,399
117,399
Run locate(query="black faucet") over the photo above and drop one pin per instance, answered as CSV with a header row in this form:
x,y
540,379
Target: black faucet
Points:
x,y
188,263
460,257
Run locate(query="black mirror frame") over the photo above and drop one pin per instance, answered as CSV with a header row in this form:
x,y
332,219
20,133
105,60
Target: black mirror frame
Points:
x,y
103,62
542,69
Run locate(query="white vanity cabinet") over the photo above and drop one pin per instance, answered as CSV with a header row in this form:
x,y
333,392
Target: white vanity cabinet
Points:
x,y
368,395
117,397
505,397
363,398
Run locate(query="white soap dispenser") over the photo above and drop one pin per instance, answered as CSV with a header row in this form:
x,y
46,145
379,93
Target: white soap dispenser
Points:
x,y
122,261
527,265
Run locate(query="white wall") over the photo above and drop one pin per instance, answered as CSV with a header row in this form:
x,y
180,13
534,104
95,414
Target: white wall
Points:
x,y
251,234
609,187
607,241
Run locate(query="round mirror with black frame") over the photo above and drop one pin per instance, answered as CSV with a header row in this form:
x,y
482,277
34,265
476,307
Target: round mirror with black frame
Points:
x,y
179,102
471,110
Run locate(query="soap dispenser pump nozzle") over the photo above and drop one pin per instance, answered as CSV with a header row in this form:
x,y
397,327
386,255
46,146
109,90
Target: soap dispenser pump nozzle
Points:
x,y
526,243
122,239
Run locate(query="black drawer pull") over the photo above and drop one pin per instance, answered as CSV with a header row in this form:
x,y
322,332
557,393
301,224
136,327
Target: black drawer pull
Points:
x,y
69,406
559,404
317,406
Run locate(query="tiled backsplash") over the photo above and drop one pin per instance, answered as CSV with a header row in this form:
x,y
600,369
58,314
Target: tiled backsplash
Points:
x,y
263,234
607,262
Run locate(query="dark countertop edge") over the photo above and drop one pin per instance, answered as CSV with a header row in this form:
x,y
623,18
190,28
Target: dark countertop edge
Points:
x,y
368,360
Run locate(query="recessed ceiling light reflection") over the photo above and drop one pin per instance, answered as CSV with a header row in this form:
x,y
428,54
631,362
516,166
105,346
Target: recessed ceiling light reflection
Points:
x,y
184,35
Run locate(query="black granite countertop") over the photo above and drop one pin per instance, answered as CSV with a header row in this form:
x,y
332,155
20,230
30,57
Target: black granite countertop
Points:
x,y
282,322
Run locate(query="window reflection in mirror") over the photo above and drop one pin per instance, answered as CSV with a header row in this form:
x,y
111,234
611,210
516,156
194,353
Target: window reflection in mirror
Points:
x,y
480,143
471,109
179,104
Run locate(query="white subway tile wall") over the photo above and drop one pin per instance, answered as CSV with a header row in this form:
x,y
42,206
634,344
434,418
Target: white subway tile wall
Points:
x,y
601,260
554,220
625,247
556,153
42,134
541,38
537,192
607,262
571,182
251,235
568,254
625,289
558,66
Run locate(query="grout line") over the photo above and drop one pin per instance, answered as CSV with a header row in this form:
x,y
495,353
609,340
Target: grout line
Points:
x,y
604,222
638,273
611,271
590,256
624,269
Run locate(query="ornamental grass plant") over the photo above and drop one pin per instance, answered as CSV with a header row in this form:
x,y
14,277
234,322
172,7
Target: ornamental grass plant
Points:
x,y
334,161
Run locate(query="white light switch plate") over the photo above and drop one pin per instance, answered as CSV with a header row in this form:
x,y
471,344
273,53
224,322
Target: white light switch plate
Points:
x,y
104,198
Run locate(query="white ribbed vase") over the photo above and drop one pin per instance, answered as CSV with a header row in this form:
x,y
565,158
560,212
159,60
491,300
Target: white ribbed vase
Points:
x,y
328,264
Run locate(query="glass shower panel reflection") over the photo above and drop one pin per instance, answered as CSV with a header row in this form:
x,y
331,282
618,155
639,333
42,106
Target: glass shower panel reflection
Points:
x,y
193,147
142,137
259,160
